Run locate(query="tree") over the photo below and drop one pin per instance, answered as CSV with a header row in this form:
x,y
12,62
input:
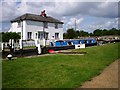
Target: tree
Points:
x,y
97,32
71,33
77,33
91,34
10,35
104,32
65,35
117,32
83,33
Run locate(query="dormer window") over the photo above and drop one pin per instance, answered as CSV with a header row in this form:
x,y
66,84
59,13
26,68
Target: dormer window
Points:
x,y
19,24
45,25
56,25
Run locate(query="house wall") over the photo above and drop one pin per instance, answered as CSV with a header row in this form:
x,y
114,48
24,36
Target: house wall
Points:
x,y
51,29
34,27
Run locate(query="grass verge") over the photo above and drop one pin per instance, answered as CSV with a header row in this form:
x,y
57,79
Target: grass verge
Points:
x,y
58,71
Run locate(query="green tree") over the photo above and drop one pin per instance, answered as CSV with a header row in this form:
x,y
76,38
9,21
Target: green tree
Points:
x,y
10,35
83,33
77,33
71,33
65,35
104,32
91,34
97,32
117,32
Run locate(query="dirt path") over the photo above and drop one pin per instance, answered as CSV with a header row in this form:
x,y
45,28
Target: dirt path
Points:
x,y
107,79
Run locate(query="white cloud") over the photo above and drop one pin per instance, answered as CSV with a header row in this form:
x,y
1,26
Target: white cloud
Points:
x,y
78,21
8,10
65,11
59,9
106,24
105,9
72,21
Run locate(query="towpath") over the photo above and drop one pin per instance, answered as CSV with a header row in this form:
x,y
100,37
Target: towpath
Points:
x,y
107,79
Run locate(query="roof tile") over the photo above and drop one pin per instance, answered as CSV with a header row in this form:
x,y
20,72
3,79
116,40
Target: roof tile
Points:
x,y
34,17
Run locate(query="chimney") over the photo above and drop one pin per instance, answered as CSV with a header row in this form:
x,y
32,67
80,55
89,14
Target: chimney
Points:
x,y
43,14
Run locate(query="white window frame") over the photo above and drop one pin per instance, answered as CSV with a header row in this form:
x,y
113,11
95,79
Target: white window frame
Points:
x,y
40,35
57,35
45,24
29,35
56,25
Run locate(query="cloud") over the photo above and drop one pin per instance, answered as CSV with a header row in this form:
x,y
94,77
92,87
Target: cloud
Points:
x,y
106,24
105,9
9,11
72,21
98,9
66,12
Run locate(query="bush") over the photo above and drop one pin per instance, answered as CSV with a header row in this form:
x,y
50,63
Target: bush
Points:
x,y
10,35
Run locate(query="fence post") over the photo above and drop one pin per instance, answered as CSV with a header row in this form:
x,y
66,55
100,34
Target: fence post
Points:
x,y
20,42
21,47
44,42
2,47
11,46
36,42
39,49
12,43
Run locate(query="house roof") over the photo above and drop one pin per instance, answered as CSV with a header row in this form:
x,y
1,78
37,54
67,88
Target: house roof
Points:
x,y
34,17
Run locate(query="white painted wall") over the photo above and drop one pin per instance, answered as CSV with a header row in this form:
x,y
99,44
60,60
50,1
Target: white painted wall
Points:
x,y
35,26
51,29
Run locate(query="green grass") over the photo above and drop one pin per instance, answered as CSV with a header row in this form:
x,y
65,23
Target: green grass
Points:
x,y
29,47
58,71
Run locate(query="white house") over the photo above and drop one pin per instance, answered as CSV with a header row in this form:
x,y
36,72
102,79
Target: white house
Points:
x,y
31,27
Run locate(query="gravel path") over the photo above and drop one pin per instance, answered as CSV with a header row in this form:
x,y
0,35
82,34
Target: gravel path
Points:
x,y
107,79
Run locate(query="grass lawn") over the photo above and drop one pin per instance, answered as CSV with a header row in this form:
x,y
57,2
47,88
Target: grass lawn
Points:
x,y
58,71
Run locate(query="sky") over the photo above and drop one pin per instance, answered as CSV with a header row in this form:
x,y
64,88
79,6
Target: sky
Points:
x,y
88,15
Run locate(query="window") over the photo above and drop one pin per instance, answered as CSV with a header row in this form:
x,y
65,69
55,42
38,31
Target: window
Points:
x,y
45,25
46,35
40,35
56,35
56,25
29,34
36,35
19,24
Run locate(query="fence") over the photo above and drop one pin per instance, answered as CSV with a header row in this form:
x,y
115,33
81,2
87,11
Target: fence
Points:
x,y
42,42
25,43
28,43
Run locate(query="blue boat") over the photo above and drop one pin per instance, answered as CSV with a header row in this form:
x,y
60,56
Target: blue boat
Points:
x,y
87,42
60,43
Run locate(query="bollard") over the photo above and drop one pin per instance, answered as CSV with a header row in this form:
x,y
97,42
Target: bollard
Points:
x,y
9,56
